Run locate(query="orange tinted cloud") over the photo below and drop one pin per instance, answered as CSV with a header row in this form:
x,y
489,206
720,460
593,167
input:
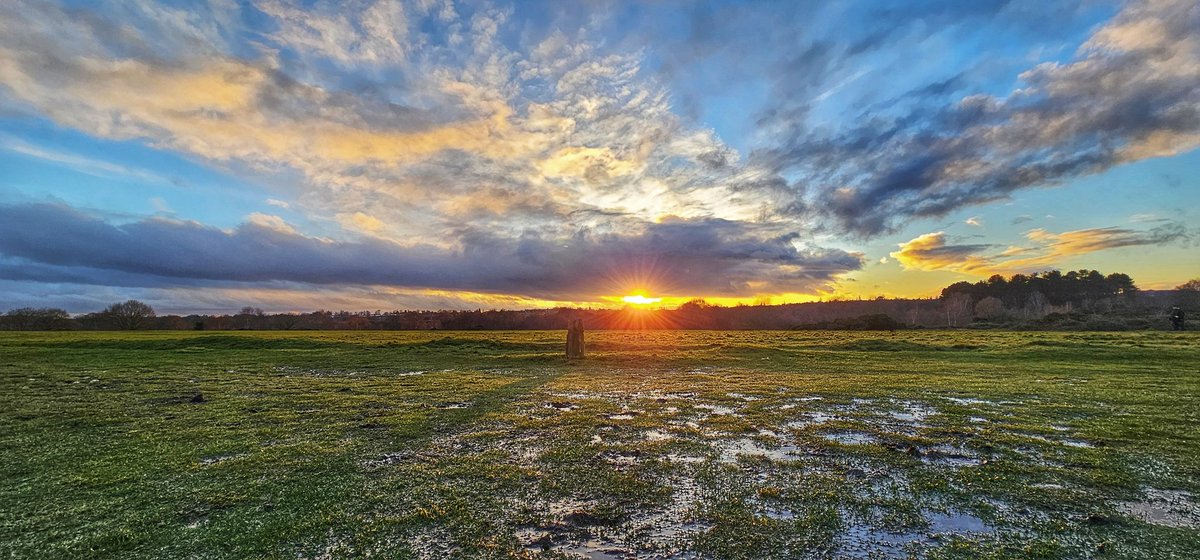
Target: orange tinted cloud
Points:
x,y
931,251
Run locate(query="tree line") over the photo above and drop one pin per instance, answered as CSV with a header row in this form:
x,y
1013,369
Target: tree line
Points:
x,y
1084,299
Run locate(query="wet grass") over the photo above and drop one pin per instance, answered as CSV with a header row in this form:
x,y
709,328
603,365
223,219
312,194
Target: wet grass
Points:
x,y
659,445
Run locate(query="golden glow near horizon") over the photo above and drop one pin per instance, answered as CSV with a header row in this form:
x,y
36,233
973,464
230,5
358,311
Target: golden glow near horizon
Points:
x,y
641,299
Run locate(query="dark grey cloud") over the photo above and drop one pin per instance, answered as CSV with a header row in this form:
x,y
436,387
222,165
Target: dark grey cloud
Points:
x,y
706,256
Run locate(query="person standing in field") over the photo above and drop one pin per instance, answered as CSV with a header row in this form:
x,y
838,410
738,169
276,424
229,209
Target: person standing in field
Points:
x,y
1177,319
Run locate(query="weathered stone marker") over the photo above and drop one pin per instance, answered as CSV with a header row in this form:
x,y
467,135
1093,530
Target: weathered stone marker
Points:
x,y
575,338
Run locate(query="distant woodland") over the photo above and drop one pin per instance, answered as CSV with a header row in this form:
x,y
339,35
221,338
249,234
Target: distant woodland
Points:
x,y
1053,300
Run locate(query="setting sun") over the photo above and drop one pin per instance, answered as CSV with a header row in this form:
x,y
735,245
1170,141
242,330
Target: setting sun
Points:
x,y
639,299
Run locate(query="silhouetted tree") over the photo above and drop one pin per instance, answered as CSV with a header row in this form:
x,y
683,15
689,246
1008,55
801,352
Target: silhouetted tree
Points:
x,y
129,315
1188,294
36,319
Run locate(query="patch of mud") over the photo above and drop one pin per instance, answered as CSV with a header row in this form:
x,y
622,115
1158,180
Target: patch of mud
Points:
x,y
1168,508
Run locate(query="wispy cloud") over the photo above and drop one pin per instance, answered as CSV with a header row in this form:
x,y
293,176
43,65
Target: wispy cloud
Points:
x,y
82,164
933,251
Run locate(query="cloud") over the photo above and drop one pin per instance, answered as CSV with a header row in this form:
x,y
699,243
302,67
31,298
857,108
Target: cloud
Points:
x,y
361,222
974,221
932,251
1129,94
81,164
673,257
271,222
374,33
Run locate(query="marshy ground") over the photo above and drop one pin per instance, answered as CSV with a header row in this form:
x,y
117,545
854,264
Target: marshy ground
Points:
x,y
658,445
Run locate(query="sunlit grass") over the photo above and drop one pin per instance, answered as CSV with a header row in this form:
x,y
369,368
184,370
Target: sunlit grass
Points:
x,y
463,444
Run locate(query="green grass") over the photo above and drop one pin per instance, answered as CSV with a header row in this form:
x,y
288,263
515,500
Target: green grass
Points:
x,y
491,445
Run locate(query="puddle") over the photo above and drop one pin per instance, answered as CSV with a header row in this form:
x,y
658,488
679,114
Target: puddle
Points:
x,y
1048,486
813,419
214,459
862,540
779,513
453,405
742,397
969,400
1077,443
731,450
393,458
658,435
621,416
716,409
956,522
621,458
562,406
912,412
950,456
850,438
1168,508
686,459
595,550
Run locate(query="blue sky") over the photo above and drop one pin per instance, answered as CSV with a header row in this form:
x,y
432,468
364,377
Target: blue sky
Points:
x,y
381,154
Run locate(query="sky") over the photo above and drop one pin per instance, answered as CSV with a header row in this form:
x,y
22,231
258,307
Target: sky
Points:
x,y
206,155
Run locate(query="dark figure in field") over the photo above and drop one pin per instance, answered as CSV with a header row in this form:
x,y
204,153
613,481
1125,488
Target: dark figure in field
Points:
x,y
1177,319
575,338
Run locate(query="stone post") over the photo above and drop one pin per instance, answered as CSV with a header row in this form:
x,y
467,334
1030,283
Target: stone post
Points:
x,y
575,338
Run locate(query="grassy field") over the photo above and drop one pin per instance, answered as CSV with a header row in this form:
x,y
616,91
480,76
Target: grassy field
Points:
x,y
659,445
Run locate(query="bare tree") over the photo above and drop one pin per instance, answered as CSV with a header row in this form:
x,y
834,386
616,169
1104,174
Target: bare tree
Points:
x,y
130,315
959,308
989,308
